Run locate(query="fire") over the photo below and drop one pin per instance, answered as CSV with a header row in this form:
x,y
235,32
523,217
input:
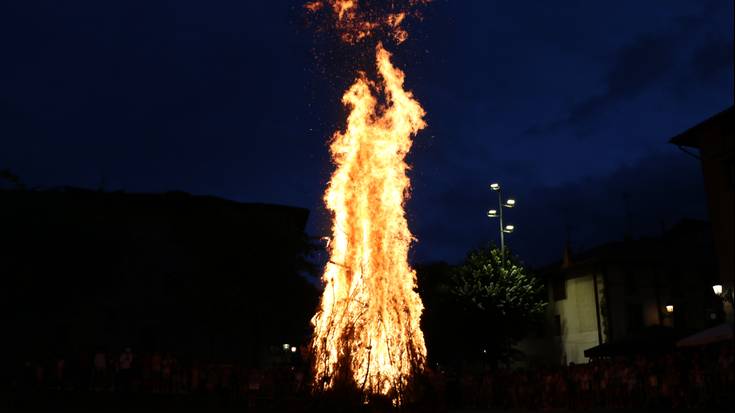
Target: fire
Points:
x,y
368,323
342,7
356,23
366,331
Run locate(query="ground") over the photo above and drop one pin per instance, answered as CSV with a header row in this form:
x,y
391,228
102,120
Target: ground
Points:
x,y
110,403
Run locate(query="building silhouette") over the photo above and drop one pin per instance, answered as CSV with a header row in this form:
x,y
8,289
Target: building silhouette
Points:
x,y
619,292
195,275
714,139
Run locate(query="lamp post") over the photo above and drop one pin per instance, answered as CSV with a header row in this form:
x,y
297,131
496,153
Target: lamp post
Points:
x,y
498,213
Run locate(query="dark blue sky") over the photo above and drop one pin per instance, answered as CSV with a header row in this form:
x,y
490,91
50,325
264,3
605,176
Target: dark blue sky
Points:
x,y
568,104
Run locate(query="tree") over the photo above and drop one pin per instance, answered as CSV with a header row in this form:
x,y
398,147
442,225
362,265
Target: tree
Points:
x,y
498,300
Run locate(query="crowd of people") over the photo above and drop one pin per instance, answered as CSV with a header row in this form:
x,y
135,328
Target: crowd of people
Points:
x,y
684,379
161,373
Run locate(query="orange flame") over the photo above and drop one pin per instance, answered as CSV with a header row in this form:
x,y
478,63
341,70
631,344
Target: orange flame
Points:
x,y
367,330
342,6
368,322
355,24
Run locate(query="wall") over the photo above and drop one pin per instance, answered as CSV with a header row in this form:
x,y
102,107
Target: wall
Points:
x,y
719,181
578,318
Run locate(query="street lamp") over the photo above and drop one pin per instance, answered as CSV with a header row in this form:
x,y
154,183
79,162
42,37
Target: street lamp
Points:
x,y
725,293
498,213
669,308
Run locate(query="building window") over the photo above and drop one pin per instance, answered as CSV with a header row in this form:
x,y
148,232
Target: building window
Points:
x,y
559,289
557,325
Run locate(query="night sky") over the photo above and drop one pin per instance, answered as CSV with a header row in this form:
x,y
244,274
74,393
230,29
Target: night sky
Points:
x,y
570,105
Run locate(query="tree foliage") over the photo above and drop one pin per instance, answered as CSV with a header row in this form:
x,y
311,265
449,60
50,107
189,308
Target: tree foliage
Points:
x,y
486,305
498,285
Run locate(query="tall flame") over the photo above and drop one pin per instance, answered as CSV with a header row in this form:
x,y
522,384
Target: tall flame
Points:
x,y
367,327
